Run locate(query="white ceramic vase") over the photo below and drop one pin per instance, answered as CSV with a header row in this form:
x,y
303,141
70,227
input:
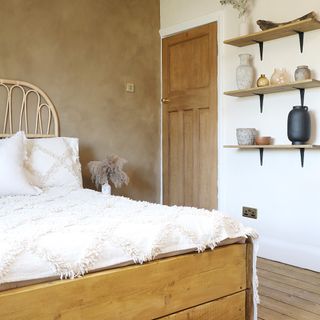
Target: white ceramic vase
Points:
x,y
244,26
106,189
245,72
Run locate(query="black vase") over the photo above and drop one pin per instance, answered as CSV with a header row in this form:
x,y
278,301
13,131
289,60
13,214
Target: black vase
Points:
x,y
299,125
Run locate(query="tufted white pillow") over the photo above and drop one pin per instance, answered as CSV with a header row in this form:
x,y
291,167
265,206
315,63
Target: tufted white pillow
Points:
x,y
54,162
13,180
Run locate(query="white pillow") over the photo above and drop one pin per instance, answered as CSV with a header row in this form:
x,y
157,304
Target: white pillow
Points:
x,y
54,162
13,180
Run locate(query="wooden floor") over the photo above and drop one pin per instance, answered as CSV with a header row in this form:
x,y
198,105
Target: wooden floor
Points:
x,y
287,292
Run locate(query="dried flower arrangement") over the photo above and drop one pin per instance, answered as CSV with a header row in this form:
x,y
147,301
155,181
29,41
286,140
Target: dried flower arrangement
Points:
x,y
239,5
108,170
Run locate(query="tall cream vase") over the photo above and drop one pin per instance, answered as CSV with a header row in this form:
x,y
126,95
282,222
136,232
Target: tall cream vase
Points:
x,y
245,72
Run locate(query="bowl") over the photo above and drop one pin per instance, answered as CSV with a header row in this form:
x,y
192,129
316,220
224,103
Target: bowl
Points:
x,y
246,136
263,141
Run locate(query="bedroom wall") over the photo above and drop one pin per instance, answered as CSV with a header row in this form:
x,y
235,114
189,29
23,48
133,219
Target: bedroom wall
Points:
x,y
286,195
82,53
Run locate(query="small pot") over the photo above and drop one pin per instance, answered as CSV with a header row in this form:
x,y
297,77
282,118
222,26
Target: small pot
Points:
x,y
263,141
263,81
246,136
302,73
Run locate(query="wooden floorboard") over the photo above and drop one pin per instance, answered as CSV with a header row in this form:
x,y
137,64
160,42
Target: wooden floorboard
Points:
x,y
289,271
287,292
266,314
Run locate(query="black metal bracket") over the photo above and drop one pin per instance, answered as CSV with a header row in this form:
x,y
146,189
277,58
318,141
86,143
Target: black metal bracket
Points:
x,y
302,157
302,94
301,39
301,42
302,152
261,156
260,43
261,98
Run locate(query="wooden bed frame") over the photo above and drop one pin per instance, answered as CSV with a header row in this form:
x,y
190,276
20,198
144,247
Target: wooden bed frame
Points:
x,y
213,285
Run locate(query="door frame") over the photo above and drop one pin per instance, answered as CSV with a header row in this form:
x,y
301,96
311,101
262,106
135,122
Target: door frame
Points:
x,y
218,17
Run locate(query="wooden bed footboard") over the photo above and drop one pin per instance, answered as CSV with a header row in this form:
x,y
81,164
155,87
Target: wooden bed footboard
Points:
x,y
212,285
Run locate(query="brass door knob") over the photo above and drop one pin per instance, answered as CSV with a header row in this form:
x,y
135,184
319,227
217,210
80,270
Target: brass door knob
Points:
x,y
165,100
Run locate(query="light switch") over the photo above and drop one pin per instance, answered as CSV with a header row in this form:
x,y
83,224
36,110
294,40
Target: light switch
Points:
x,y
130,87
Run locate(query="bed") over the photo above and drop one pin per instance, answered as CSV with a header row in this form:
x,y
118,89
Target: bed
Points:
x,y
73,253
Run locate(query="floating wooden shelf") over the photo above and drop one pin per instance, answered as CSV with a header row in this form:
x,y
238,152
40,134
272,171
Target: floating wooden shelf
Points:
x,y
261,148
275,33
296,28
274,88
299,85
274,146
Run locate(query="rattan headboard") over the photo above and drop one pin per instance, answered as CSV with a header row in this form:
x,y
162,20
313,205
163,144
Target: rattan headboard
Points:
x,y
23,105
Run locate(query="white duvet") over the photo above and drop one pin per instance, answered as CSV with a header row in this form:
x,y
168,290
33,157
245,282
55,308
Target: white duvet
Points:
x,y
67,232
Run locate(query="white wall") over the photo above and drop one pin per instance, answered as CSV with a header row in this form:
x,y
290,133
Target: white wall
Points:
x,y
287,196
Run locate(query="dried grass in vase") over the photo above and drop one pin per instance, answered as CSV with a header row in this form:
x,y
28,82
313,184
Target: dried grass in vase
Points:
x,y
108,170
240,5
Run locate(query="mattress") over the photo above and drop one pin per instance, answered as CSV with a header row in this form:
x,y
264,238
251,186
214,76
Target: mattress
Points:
x,y
65,233
29,269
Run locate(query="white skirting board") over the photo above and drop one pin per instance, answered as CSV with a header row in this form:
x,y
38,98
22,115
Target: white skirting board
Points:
x,y
302,256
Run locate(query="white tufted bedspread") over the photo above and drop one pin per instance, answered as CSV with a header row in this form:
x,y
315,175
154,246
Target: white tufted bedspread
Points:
x,y
69,229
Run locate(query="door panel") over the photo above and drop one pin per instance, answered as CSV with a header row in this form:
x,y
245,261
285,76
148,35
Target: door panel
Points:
x,y
205,167
190,118
188,157
175,158
188,62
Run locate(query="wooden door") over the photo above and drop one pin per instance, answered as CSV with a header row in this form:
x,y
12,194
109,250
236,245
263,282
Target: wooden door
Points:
x,y
190,117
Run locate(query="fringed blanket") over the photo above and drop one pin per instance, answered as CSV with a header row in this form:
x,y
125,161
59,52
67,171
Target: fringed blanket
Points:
x,y
69,229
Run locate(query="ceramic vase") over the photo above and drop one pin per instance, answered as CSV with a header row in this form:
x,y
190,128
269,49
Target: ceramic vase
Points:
x,y
246,136
302,73
275,78
106,189
262,81
299,125
280,76
244,26
245,72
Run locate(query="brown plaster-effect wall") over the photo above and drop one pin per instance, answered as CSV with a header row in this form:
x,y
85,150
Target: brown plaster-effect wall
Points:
x,y
81,53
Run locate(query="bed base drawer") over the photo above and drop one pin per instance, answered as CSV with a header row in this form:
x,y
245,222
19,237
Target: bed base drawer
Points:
x,y
228,308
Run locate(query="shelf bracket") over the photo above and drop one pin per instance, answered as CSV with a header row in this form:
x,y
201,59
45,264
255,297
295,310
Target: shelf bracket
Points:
x,y
302,157
302,92
260,43
261,156
301,39
261,98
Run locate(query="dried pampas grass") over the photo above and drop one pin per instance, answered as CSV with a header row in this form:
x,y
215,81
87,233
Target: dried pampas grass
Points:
x,y
108,170
240,5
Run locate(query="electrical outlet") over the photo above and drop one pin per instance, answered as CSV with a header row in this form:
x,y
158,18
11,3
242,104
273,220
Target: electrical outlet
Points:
x,y
130,87
251,213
